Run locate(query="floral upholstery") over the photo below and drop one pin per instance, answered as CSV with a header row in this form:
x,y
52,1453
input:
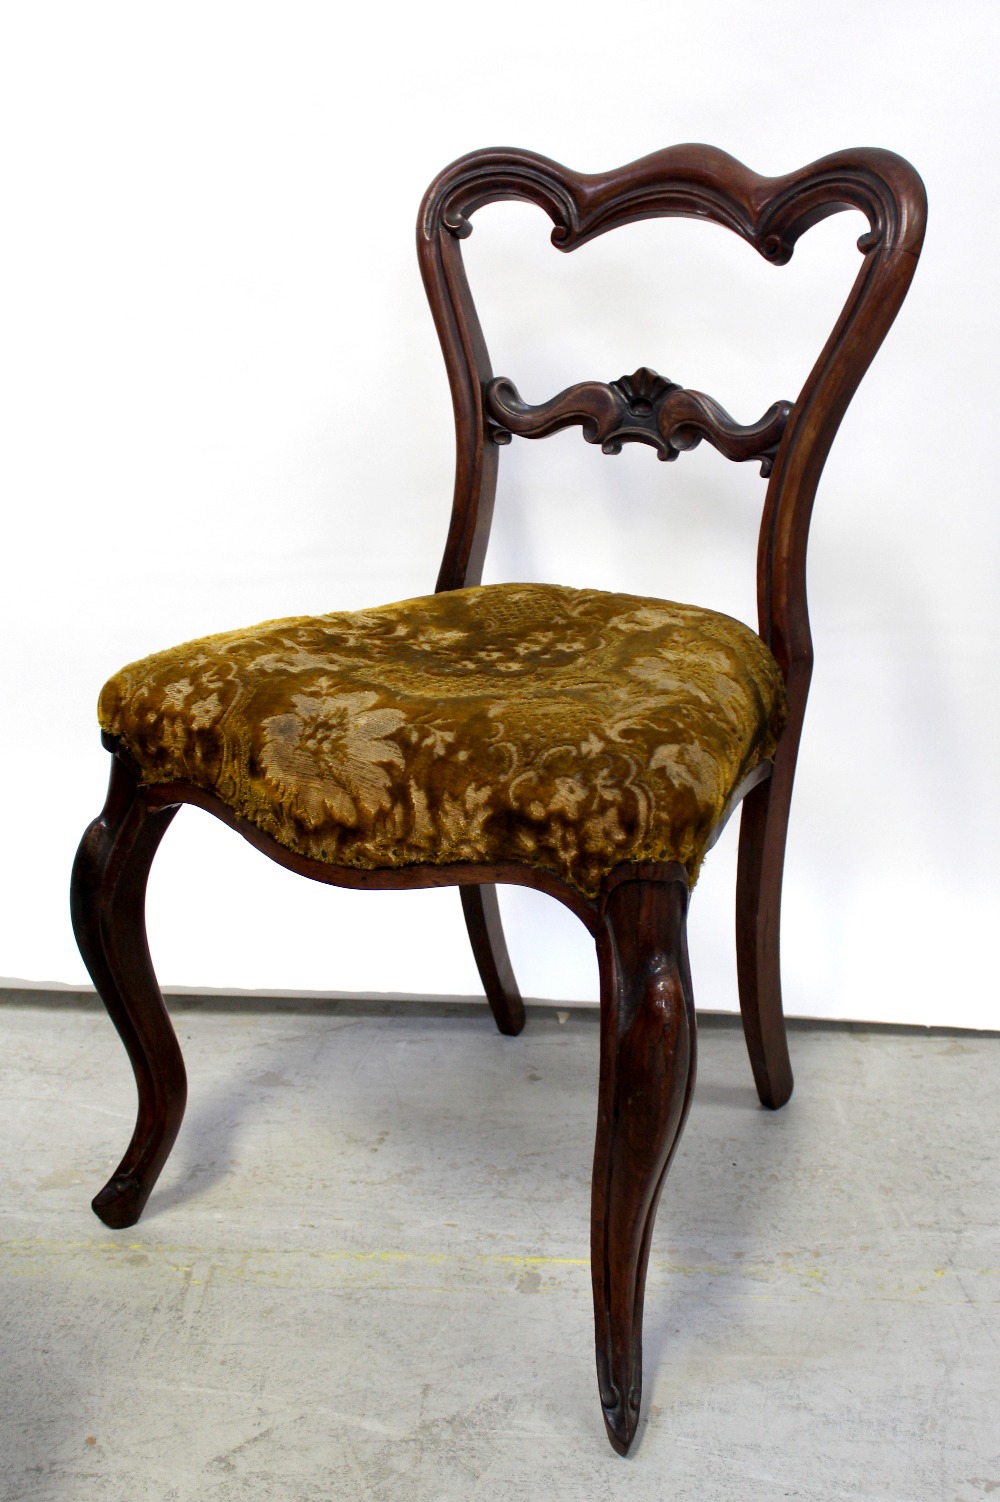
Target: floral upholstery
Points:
x,y
560,728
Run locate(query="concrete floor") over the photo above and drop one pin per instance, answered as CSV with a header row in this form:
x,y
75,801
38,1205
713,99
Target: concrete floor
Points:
x,y
364,1272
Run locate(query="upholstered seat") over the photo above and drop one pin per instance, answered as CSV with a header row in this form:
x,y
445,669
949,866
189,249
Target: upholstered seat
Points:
x,y
564,728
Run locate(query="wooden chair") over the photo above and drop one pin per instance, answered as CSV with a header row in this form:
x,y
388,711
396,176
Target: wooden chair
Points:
x,y
584,744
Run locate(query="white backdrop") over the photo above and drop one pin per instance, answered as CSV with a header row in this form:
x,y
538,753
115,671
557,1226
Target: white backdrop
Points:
x,y
223,401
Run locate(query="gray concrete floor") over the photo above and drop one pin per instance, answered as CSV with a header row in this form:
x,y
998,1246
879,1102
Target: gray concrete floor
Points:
x,y
364,1272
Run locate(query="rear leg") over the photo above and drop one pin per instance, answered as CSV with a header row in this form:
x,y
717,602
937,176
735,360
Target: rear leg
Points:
x,y
763,823
482,918
107,899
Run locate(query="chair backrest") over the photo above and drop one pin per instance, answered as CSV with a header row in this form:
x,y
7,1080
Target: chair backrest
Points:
x,y
791,441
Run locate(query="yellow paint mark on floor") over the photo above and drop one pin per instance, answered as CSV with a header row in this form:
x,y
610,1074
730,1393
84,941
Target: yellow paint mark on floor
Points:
x,y
391,1268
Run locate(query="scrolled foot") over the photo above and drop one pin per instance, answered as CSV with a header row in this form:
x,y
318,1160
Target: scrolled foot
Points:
x,y
121,1201
621,1414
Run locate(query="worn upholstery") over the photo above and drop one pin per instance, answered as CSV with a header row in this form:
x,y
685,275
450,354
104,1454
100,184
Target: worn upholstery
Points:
x,y
562,728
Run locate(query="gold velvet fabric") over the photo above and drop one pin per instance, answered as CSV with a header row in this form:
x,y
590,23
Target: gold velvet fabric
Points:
x,y
561,728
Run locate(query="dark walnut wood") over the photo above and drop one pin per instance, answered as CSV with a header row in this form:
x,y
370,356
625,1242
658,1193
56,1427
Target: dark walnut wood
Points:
x,y
640,408
638,919
107,902
482,919
646,1083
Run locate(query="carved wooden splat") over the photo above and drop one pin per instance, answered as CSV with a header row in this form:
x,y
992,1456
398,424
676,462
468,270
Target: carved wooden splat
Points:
x,y
641,408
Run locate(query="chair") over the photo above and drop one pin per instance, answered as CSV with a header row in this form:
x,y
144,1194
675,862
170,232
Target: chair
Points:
x,y
589,745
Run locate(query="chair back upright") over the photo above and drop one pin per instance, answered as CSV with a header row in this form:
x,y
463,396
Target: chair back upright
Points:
x,y
791,441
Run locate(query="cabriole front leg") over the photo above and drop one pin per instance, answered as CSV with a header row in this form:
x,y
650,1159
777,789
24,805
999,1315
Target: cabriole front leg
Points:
x,y
107,899
647,1076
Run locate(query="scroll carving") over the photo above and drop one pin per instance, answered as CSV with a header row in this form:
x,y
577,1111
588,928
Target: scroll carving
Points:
x,y
690,181
770,214
641,408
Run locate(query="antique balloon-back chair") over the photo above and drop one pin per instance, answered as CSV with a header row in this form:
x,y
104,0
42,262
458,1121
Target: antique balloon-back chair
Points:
x,y
586,744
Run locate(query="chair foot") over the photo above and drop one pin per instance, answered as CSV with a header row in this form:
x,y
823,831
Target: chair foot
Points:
x,y
647,1078
121,1201
482,919
763,822
107,899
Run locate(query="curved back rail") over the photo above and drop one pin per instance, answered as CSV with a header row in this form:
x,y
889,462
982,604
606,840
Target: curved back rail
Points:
x,y
791,442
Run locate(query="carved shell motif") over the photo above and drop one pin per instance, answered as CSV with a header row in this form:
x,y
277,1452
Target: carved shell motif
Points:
x,y
641,408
